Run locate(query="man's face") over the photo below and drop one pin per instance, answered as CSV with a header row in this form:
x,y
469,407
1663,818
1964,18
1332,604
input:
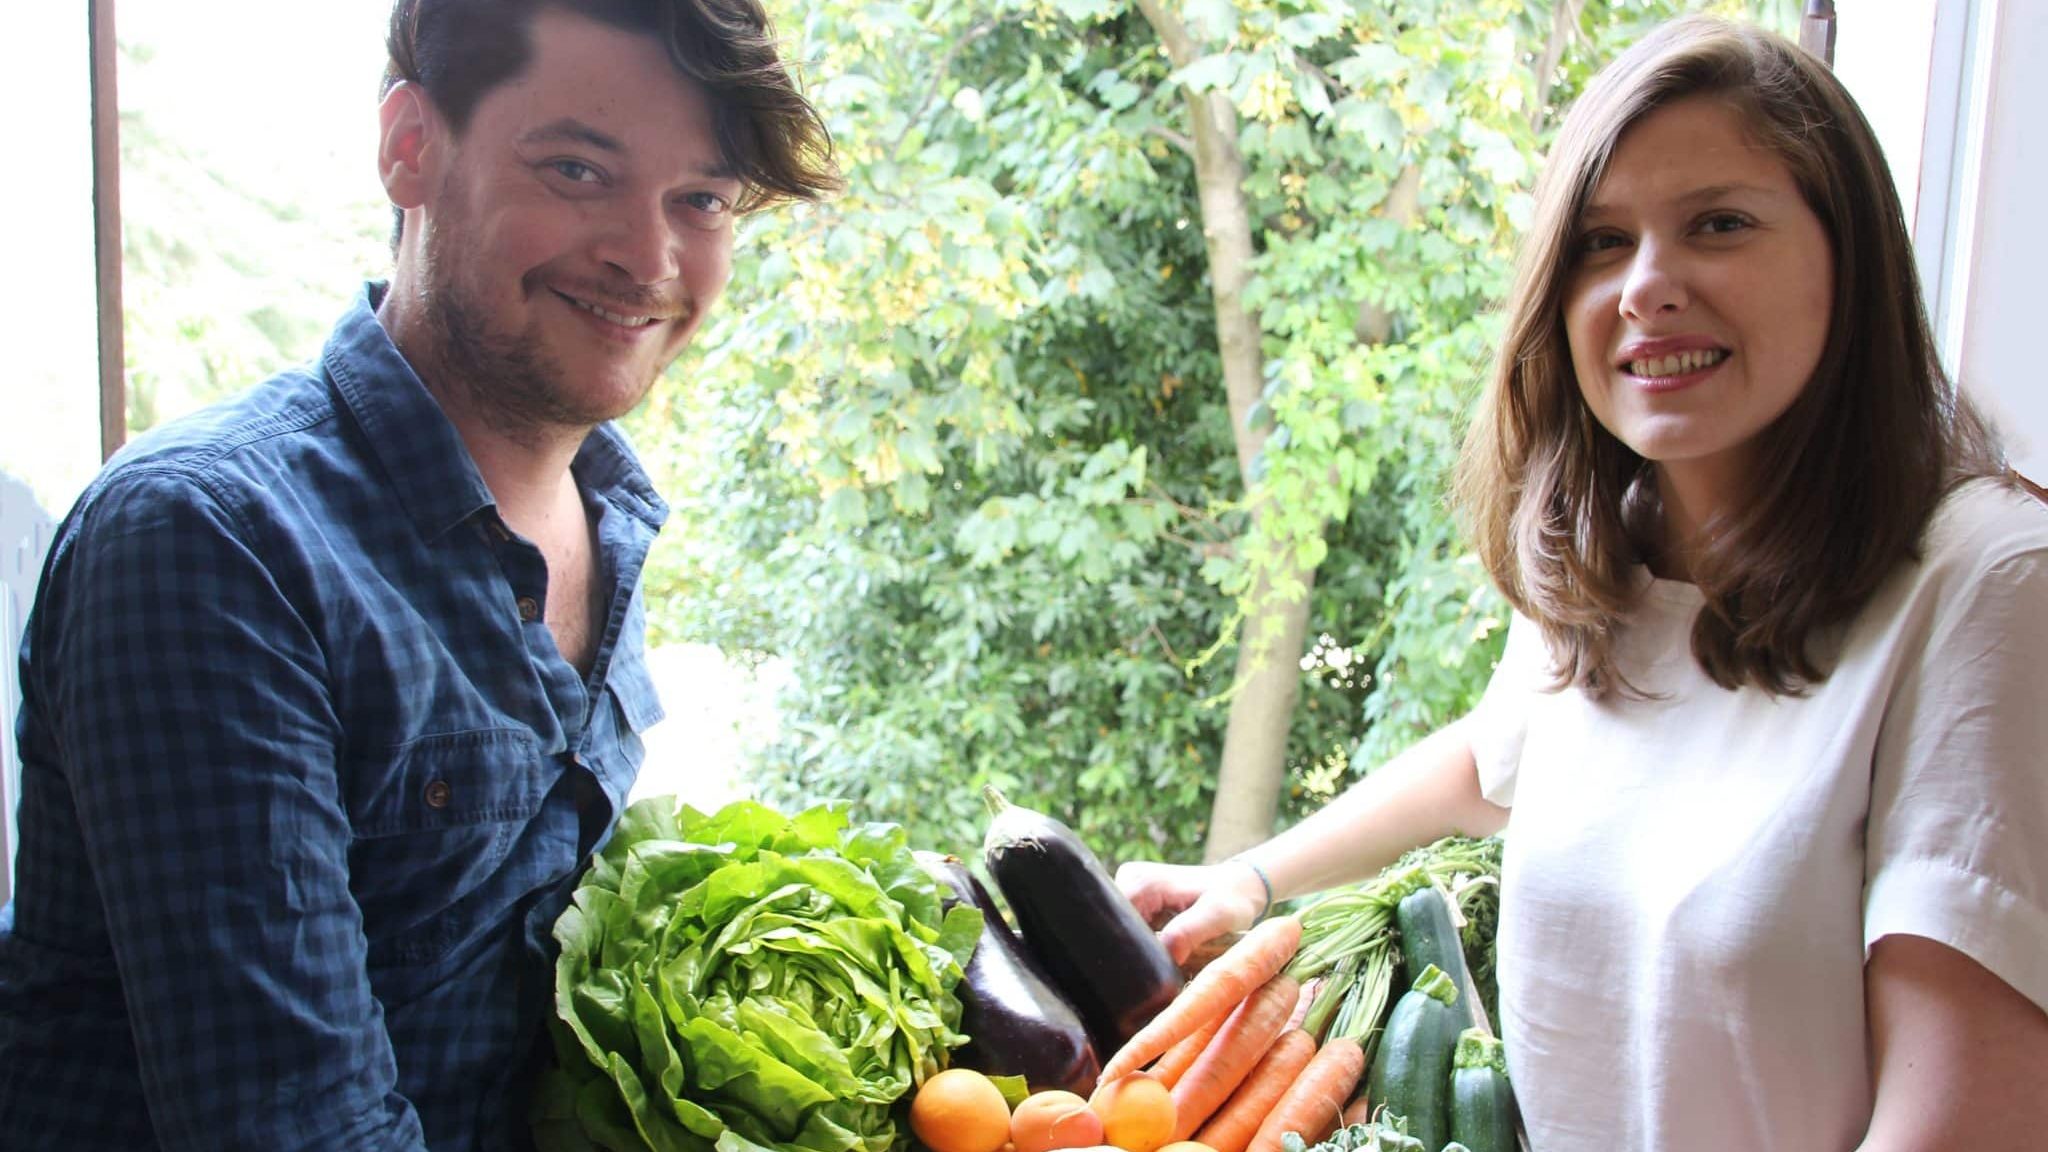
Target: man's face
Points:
x,y
576,231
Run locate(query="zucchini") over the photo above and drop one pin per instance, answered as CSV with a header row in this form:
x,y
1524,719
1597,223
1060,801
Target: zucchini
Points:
x,y
1078,924
1411,1071
1482,1103
1429,935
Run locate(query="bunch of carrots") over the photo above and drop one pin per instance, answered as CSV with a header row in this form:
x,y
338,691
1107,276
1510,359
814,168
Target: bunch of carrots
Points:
x,y
1241,1069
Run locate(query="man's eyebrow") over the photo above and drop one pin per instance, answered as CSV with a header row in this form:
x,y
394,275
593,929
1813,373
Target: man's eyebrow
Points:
x,y
570,130
1595,210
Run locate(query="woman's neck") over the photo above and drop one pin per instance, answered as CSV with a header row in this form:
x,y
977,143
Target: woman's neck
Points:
x,y
1691,497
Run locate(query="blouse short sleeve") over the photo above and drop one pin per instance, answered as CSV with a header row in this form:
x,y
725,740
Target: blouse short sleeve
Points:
x,y
1957,840
1500,721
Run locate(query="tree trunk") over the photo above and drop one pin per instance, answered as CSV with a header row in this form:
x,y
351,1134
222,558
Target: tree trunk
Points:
x,y
1268,677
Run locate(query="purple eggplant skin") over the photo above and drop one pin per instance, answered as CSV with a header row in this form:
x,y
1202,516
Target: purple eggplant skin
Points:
x,y
1075,921
1016,1024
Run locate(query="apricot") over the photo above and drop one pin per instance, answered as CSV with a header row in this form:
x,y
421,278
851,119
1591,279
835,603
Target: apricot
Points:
x,y
1137,1113
960,1110
1053,1120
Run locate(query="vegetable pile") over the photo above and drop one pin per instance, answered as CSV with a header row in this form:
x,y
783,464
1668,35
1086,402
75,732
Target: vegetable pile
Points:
x,y
752,982
1349,937
747,981
1266,1049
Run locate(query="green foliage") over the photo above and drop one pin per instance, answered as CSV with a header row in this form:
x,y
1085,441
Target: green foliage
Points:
x,y
231,271
957,448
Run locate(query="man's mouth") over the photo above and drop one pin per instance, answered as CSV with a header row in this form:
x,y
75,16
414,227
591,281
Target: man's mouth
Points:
x,y
622,319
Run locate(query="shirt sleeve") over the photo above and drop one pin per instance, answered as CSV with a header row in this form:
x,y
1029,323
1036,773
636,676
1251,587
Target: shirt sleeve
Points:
x,y
200,746
1957,842
1501,719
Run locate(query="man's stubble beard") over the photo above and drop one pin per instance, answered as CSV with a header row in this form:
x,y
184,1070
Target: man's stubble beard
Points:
x,y
505,379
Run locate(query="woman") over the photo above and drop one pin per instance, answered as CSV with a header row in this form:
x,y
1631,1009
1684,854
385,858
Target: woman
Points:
x,y
1767,718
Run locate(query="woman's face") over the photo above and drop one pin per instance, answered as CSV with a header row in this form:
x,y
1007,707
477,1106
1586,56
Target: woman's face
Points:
x,y
1697,302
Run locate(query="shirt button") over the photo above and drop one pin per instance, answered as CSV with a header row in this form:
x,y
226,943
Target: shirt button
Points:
x,y
438,794
529,609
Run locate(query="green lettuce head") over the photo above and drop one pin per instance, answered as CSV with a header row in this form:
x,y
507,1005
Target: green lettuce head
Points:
x,y
749,981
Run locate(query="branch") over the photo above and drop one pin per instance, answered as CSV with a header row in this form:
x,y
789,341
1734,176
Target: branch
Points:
x,y
1180,45
1171,137
1316,73
1564,22
1192,514
931,91
1171,655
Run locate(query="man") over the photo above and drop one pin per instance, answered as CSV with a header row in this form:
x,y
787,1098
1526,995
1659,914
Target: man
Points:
x,y
330,691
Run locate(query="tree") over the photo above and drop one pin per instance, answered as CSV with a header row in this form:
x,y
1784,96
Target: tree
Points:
x,y
1141,338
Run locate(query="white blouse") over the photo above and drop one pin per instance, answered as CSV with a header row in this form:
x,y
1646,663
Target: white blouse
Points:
x,y
1693,880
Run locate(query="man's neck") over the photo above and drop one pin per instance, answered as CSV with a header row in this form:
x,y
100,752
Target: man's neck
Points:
x,y
525,467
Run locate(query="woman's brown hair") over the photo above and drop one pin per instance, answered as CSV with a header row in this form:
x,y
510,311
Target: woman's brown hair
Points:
x,y
1561,511
458,50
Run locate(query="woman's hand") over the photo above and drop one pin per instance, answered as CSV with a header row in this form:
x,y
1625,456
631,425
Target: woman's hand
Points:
x,y
1199,901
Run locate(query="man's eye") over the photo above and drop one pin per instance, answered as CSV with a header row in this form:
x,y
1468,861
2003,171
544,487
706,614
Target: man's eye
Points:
x,y
575,171
710,203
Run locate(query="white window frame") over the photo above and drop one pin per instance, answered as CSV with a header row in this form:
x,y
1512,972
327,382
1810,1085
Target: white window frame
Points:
x,y
1972,181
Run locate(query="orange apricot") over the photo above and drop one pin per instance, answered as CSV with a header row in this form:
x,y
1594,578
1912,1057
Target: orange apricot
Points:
x,y
960,1110
1046,1121
1137,1113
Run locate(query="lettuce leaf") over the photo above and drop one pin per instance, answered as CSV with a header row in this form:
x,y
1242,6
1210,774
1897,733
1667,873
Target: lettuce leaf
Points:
x,y
746,981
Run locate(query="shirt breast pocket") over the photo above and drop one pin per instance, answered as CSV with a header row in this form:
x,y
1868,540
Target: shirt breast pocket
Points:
x,y
434,826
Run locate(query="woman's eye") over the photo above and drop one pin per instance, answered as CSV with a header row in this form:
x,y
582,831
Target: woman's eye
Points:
x,y
1593,242
1723,222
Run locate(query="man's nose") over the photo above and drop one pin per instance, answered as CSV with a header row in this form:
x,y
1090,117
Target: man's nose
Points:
x,y
643,241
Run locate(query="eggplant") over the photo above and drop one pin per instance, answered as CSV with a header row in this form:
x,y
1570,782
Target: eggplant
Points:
x,y
1016,1023
1075,921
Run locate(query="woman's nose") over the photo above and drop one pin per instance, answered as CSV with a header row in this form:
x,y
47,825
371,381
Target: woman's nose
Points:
x,y
1655,281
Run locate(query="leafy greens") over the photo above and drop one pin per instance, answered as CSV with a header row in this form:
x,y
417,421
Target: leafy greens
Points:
x,y
748,981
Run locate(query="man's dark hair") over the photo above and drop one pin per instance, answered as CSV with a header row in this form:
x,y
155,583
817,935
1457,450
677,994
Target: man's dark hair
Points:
x,y
458,50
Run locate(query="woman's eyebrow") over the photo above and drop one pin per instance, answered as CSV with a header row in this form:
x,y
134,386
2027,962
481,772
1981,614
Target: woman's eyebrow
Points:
x,y
1596,210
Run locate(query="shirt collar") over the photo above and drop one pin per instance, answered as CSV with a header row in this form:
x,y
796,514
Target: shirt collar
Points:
x,y
416,444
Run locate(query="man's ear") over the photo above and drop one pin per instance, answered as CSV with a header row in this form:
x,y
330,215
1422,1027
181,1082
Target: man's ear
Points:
x,y
409,132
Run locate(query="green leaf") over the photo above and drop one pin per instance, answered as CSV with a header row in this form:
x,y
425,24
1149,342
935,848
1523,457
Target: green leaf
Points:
x,y
1217,71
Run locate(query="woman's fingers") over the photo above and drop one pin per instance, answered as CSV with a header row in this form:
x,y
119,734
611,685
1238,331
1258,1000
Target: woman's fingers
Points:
x,y
1218,911
1157,890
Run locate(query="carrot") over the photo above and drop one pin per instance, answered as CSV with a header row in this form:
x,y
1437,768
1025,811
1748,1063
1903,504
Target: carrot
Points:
x,y
1315,1103
1238,1045
1168,1069
1234,1126
1359,1111
1212,994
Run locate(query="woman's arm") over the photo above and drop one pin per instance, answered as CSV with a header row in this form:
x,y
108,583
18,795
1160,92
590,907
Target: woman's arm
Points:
x,y
1427,792
1960,1058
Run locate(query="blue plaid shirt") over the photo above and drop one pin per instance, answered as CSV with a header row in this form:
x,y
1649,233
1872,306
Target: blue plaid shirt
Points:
x,y
305,781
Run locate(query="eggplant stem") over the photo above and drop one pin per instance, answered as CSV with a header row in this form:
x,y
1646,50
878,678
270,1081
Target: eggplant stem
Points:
x,y
993,797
